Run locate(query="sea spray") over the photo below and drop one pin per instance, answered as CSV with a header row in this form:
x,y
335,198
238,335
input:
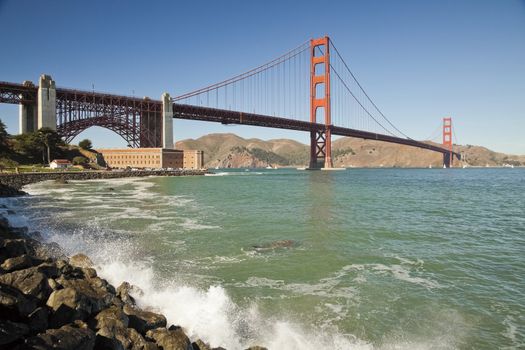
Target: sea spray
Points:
x,y
209,314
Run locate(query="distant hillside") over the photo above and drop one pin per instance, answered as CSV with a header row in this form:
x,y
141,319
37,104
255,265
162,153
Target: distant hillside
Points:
x,y
232,151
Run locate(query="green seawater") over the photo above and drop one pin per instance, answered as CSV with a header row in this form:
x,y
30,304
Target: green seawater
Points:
x,y
355,259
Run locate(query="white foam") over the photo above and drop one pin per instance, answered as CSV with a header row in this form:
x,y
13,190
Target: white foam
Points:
x,y
399,272
511,333
211,315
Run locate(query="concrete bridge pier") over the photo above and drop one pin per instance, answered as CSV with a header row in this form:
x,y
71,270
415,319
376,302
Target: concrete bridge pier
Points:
x,y
46,103
448,159
167,121
27,114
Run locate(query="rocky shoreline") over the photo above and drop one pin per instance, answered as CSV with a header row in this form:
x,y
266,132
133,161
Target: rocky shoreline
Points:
x,y
51,301
15,182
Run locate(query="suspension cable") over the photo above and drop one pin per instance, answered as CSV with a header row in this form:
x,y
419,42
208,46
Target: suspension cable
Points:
x,y
290,54
363,90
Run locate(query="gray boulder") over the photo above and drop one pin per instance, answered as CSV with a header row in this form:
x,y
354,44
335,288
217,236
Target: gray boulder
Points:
x,y
119,338
124,290
77,300
111,317
112,338
10,248
14,303
81,260
68,337
38,319
138,342
17,263
29,281
11,332
143,321
200,345
173,339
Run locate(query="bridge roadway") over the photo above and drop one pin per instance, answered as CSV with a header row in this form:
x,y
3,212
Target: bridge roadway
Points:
x,y
18,93
191,112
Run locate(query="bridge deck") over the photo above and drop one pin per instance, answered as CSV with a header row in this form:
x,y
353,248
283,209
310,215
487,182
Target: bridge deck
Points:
x,y
20,93
191,112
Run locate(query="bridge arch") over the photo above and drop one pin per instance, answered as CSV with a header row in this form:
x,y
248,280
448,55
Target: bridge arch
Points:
x,y
69,130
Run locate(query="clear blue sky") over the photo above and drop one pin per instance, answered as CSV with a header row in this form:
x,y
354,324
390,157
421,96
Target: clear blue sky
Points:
x,y
419,60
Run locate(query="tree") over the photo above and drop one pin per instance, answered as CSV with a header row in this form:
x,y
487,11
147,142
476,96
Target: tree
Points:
x,y
50,141
4,146
79,160
27,144
85,144
38,143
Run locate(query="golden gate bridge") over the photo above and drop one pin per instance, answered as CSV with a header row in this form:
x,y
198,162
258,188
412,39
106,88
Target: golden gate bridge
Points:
x,y
310,88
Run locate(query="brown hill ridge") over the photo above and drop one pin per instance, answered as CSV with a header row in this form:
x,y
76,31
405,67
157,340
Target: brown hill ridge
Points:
x,y
231,151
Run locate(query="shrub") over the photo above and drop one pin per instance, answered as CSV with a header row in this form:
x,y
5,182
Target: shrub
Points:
x,y
79,160
85,144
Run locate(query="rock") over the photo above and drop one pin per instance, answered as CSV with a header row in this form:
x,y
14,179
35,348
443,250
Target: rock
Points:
x,y
78,300
53,284
100,283
29,281
111,317
9,191
123,292
11,248
112,338
119,338
10,332
256,347
80,260
37,235
200,345
46,251
38,320
170,339
284,243
138,342
68,337
17,263
49,269
89,272
69,271
14,303
143,321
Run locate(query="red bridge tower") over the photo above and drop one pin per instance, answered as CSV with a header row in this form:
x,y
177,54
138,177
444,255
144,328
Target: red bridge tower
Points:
x,y
448,157
320,141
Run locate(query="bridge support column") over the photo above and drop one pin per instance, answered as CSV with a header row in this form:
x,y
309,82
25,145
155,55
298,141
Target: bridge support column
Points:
x,y
167,121
27,114
46,97
447,159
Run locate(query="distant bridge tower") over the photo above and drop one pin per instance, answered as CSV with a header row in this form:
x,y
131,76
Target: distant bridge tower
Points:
x,y
320,141
448,157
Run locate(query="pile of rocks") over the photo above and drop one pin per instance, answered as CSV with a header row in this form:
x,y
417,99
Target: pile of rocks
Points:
x,y
9,191
49,301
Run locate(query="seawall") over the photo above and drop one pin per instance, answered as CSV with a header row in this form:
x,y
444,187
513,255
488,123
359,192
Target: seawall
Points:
x,y
12,183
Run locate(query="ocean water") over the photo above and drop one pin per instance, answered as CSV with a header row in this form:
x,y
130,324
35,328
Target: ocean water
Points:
x,y
355,259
